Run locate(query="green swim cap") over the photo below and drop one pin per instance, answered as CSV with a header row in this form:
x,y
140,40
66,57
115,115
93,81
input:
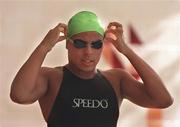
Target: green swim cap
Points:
x,y
84,21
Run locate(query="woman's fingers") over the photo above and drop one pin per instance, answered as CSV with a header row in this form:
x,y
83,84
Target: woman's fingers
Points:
x,y
114,25
62,28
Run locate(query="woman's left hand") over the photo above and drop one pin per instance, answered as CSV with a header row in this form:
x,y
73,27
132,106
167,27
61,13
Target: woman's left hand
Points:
x,y
114,34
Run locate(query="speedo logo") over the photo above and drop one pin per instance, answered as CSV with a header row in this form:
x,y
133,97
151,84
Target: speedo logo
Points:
x,y
89,103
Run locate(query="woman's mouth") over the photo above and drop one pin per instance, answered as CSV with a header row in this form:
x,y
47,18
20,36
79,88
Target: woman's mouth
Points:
x,y
87,62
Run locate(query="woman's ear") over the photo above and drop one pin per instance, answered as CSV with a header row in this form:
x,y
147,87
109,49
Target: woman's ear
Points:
x,y
66,44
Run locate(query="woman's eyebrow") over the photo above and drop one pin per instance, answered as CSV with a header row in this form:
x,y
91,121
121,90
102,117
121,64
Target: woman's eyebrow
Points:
x,y
96,40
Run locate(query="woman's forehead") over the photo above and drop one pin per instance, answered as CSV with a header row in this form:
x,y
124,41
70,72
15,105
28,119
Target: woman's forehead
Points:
x,y
87,36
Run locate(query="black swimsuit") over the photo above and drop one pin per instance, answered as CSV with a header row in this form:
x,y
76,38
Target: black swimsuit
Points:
x,y
84,103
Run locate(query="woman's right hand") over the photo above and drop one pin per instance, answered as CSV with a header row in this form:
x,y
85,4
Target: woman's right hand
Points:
x,y
53,36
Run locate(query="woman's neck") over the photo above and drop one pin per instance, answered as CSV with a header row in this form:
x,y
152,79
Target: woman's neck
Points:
x,y
80,73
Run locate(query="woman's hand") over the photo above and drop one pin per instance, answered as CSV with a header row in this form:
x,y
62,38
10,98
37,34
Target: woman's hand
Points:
x,y
114,34
53,36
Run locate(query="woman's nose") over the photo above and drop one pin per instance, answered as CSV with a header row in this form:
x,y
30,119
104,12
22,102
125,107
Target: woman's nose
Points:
x,y
88,49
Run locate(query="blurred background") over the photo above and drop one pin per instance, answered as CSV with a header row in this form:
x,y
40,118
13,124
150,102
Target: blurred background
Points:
x,y
151,28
